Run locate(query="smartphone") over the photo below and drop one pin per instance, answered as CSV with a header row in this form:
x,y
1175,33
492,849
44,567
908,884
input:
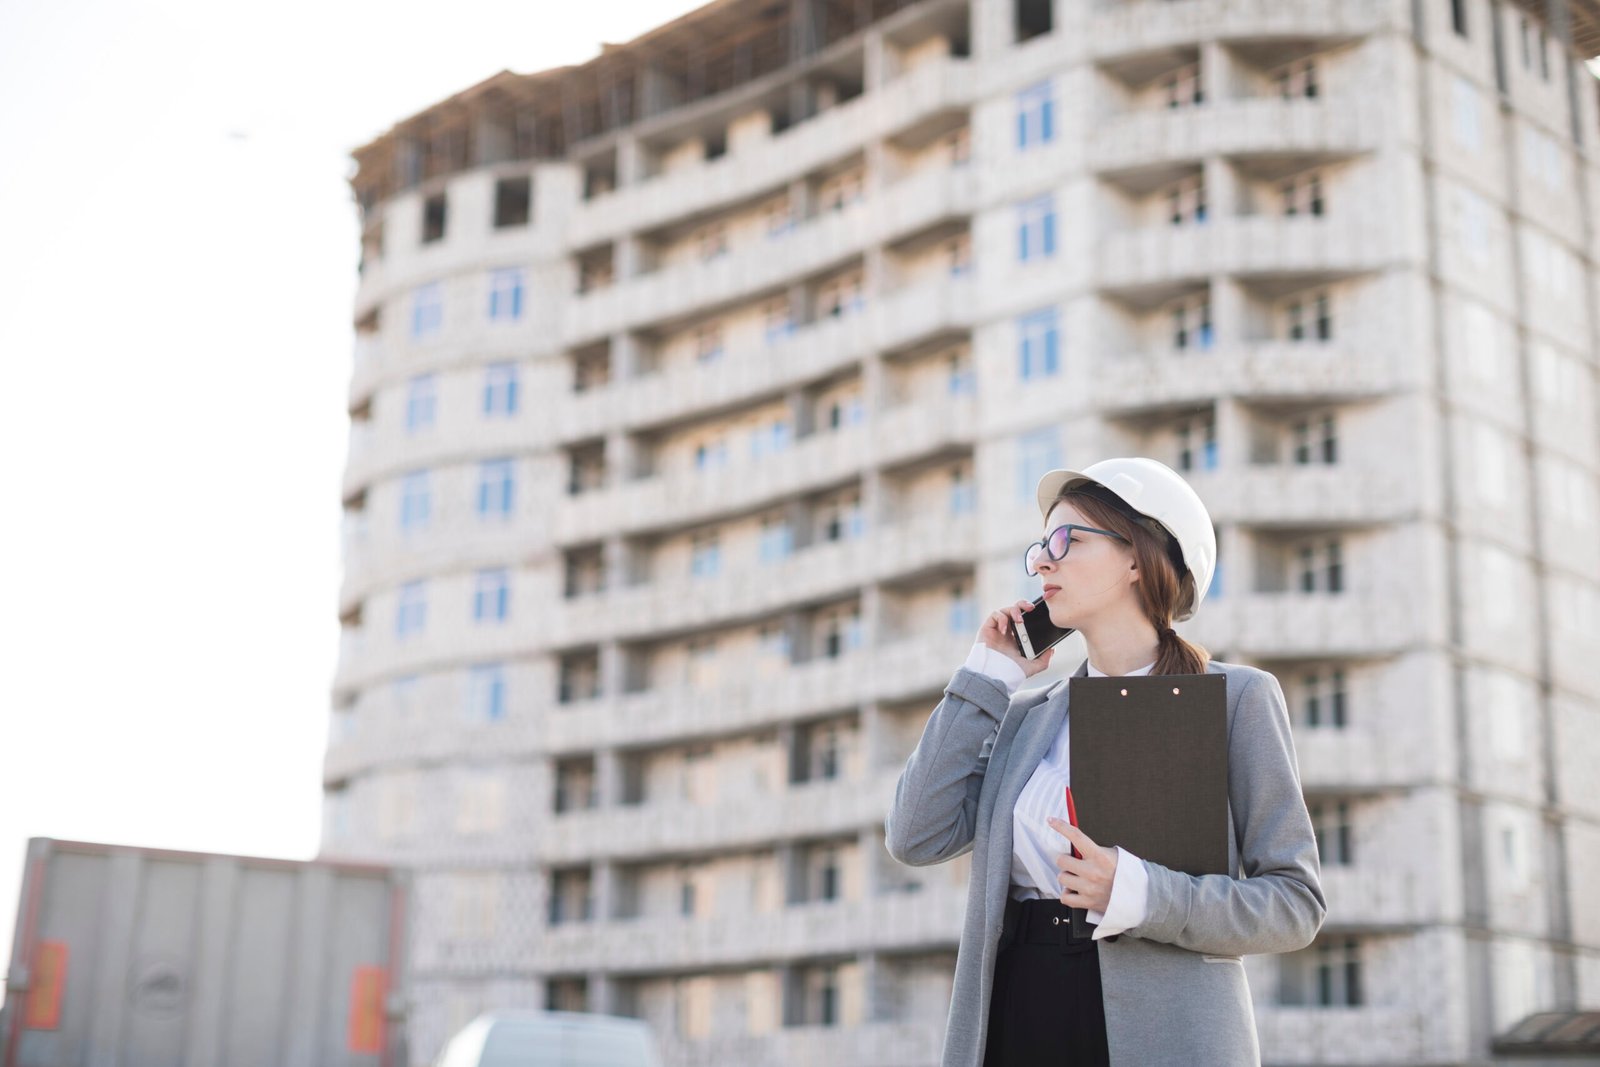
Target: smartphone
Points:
x,y
1037,632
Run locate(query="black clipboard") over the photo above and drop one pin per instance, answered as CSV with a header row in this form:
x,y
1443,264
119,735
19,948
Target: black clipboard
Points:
x,y
1149,766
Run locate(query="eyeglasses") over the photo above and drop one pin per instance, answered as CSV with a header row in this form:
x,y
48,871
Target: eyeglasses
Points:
x,y
1057,544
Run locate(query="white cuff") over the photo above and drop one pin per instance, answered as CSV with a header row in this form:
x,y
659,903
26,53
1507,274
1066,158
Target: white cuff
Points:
x,y
985,660
1129,903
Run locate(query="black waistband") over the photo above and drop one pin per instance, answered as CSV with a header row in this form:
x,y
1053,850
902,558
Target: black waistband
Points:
x,y
1043,921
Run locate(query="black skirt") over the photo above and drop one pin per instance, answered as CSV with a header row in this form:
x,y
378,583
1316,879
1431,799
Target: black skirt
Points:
x,y
1045,1008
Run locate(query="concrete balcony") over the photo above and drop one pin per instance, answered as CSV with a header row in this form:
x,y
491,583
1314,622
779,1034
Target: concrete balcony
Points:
x,y
1154,259
377,653
1370,1034
818,349
842,927
914,430
384,449
366,369
1380,894
816,573
1132,29
431,739
1252,126
1264,625
685,496
745,820
753,698
908,206
1352,760
456,539
942,85
1291,496
1132,382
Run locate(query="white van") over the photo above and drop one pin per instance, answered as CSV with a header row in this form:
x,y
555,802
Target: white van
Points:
x,y
551,1039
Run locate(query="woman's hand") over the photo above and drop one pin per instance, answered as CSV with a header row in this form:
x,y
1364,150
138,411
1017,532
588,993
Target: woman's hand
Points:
x,y
1086,882
996,634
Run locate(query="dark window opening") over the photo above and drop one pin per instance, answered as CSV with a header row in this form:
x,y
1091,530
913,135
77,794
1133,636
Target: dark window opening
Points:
x,y
513,200
433,217
1033,17
1458,16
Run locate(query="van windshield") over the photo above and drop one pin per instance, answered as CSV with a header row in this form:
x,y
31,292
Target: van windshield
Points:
x,y
550,1044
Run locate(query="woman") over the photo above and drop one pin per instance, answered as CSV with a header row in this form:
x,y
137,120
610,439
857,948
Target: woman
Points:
x,y
1127,547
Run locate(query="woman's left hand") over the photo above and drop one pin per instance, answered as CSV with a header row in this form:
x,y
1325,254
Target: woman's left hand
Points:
x,y
1086,882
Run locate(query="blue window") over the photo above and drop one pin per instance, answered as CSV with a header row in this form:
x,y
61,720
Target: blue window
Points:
x,y
411,609
777,541
963,495
422,401
491,595
711,456
1035,116
505,295
427,310
1038,451
765,440
706,557
1215,588
963,617
500,389
495,481
415,500
1036,228
1038,344
779,321
486,692
963,381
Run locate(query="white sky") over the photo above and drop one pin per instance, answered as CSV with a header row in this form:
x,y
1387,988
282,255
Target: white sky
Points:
x,y
177,264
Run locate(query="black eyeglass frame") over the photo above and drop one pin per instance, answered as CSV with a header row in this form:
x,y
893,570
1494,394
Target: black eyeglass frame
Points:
x,y
1044,544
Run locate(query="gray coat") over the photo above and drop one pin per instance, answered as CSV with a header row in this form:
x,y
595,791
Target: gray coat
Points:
x,y
1174,987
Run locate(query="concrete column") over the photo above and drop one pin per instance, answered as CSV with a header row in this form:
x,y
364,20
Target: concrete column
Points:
x,y
1217,73
1228,324
993,27
788,744
869,847
800,414
603,892
492,140
872,729
874,631
608,780
627,258
618,563
881,63
874,988
1221,189
1233,440
802,201
613,669
1235,555
791,873
602,998
630,160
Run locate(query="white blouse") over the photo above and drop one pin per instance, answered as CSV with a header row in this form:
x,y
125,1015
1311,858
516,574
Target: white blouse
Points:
x,y
1035,844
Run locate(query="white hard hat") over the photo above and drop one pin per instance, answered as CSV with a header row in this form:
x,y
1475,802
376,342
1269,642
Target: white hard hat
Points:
x,y
1151,488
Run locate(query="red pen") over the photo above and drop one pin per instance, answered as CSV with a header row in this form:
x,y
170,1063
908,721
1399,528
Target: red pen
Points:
x,y
1072,817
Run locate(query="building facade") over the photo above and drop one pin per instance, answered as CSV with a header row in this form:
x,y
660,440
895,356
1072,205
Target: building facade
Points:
x,y
699,395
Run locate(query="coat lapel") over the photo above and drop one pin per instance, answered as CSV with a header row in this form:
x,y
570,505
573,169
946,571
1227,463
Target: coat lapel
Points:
x,y
1034,735
1028,746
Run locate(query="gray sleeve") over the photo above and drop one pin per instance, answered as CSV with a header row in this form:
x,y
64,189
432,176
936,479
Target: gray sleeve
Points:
x,y
1278,905
935,808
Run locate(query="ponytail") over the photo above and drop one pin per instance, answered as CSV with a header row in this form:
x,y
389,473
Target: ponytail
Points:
x,y
1178,656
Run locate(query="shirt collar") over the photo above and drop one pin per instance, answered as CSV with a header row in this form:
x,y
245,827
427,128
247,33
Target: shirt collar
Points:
x,y
1095,672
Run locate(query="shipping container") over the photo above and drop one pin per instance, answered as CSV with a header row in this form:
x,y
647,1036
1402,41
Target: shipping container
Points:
x,y
139,957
